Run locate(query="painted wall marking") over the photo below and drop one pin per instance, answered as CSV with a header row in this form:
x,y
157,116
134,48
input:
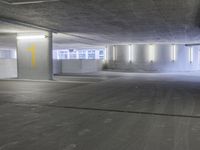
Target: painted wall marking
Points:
x,y
32,50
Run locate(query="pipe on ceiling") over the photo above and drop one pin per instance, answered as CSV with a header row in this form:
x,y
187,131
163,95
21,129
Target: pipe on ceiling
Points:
x,y
29,2
195,44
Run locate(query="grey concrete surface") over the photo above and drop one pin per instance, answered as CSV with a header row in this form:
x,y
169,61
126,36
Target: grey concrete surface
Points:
x,y
8,68
125,111
80,66
81,79
102,22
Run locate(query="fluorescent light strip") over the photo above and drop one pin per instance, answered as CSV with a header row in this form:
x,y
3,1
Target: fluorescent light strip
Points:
x,y
105,54
129,53
191,54
151,53
173,53
114,53
19,37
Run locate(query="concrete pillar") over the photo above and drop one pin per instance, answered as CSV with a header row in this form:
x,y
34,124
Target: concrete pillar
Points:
x,y
122,52
34,53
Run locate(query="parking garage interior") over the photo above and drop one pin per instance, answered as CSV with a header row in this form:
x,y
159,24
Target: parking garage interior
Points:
x,y
99,75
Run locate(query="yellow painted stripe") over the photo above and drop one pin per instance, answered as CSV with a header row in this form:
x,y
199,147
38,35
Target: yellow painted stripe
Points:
x,y
33,58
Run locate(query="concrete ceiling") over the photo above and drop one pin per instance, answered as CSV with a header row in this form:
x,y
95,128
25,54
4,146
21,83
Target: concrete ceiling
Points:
x,y
10,28
9,31
7,41
102,22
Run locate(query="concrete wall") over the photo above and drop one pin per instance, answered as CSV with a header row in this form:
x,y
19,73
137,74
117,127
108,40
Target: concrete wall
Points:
x,y
8,68
136,58
38,65
57,66
76,66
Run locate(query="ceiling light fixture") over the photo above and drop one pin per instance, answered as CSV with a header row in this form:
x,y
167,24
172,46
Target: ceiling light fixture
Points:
x,y
19,37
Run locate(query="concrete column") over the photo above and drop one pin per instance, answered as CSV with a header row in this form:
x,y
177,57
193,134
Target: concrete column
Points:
x,y
122,52
34,56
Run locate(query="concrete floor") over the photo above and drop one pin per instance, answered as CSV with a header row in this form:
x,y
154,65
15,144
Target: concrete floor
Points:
x,y
109,111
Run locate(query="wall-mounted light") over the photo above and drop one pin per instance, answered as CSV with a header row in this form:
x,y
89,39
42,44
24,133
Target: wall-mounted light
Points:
x,y
105,54
114,53
130,53
173,53
191,56
151,53
31,37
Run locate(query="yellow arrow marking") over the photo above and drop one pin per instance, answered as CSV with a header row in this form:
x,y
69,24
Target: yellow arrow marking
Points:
x,y
32,50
